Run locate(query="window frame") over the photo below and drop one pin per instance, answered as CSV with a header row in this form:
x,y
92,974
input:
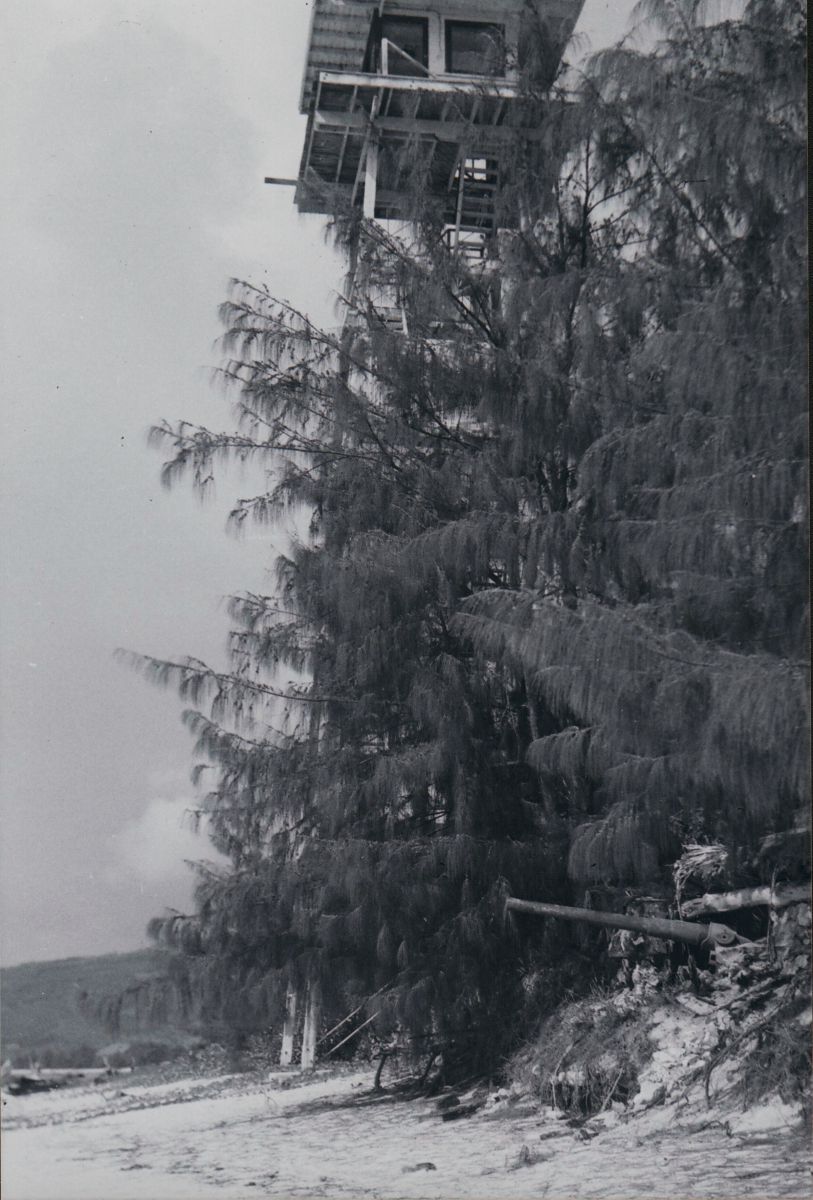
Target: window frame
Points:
x,y
422,22
450,25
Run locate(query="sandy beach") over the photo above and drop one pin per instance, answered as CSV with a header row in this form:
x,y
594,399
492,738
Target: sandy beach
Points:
x,y
283,1136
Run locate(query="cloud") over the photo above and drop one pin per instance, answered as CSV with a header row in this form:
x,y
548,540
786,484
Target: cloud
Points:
x,y
151,850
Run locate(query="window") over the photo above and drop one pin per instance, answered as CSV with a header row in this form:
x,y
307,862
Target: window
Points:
x,y
410,35
474,48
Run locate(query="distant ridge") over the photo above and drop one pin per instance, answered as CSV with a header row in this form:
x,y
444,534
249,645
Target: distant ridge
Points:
x,y
40,1010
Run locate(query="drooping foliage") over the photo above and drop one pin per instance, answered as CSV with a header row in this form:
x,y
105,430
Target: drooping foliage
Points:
x,y
548,623
682,655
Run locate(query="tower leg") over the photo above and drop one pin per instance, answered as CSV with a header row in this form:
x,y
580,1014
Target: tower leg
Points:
x,y
288,1030
311,1030
371,177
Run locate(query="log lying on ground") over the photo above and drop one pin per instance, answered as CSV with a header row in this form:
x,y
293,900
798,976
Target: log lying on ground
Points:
x,y
682,931
746,898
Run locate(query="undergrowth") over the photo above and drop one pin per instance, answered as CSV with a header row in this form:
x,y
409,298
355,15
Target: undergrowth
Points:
x,y
777,1062
586,1055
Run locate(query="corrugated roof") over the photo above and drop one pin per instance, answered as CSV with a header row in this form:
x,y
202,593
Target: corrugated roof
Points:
x,y
338,39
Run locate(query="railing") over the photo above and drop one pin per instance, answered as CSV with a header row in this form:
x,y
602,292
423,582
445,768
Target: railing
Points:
x,y
386,47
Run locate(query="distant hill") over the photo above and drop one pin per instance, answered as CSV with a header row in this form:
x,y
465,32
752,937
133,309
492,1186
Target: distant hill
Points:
x,y
40,1012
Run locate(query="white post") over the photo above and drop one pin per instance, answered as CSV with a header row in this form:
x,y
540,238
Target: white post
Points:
x,y
286,1056
371,176
311,1030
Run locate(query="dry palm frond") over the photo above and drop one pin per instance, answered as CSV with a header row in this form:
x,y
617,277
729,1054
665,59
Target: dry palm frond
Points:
x,y
698,861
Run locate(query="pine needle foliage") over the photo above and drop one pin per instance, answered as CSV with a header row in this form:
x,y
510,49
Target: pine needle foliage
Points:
x,y
549,624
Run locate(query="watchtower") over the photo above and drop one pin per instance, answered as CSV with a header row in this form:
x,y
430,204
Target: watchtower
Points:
x,y
444,78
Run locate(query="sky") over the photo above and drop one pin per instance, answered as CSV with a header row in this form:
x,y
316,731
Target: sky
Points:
x,y
136,135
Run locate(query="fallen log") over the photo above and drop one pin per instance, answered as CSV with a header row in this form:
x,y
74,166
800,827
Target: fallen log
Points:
x,y
660,927
753,897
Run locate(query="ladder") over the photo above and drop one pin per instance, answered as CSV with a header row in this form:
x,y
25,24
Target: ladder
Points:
x,y
474,184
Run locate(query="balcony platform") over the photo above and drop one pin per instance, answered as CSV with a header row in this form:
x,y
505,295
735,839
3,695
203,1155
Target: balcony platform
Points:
x,y
351,109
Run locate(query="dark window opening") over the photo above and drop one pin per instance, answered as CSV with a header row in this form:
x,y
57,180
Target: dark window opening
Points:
x,y
409,48
475,48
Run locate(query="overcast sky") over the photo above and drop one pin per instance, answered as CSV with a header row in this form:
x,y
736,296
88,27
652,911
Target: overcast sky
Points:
x,y
136,135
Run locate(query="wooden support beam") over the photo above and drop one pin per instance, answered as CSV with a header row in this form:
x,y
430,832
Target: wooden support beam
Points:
x,y
329,121
461,191
457,166
347,130
306,157
462,85
340,159
360,169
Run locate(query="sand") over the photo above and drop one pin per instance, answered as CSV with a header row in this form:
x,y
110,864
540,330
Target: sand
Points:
x,y
283,1136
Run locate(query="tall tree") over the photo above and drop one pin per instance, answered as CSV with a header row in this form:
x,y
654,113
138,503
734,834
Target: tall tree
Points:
x,y
552,604
682,655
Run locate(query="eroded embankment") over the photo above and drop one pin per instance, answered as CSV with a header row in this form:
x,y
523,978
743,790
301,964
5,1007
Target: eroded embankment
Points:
x,y
726,1039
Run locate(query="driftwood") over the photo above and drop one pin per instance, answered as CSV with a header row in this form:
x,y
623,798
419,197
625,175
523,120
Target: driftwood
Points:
x,y
746,898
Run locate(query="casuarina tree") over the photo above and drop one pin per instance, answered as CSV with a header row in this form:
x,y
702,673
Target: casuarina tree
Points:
x,y
548,621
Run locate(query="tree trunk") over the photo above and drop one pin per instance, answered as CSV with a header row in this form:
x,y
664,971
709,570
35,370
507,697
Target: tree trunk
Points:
x,y
377,1081
682,931
746,898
